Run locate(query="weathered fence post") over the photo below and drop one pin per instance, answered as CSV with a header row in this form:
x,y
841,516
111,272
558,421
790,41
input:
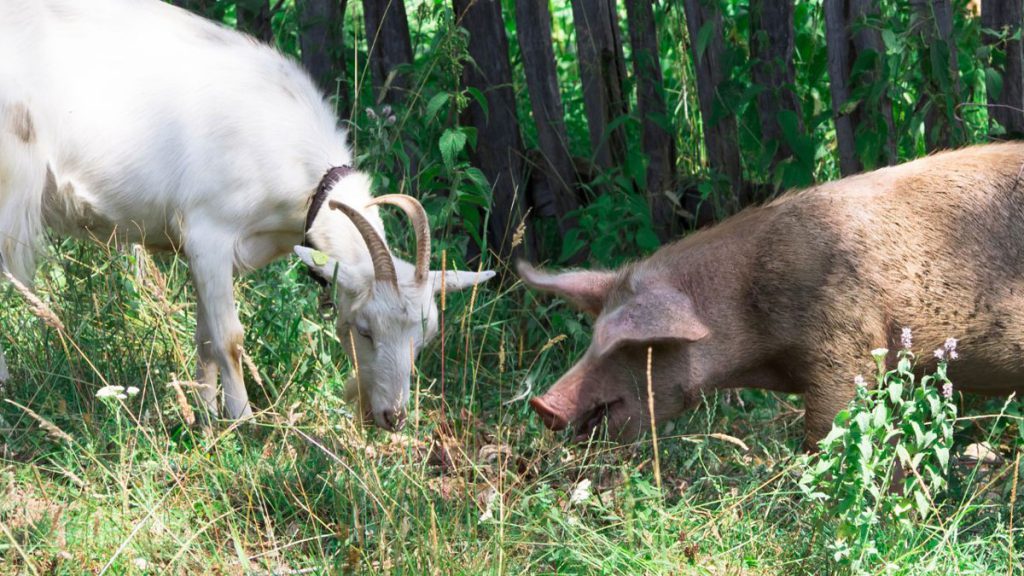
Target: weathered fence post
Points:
x,y
719,123
941,92
320,21
253,16
771,49
499,149
387,36
1007,106
849,37
602,70
658,141
533,28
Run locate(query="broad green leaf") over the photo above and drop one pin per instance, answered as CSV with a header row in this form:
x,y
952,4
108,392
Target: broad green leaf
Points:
x,y
880,415
704,37
896,392
918,433
863,421
901,451
922,503
889,38
436,103
836,432
481,101
849,106
993,83
452,142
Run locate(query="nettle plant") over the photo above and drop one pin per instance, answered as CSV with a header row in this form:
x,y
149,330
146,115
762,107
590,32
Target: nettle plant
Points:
x,y
886,461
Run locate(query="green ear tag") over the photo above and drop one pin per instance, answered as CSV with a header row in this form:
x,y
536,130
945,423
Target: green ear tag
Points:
x,y
319,258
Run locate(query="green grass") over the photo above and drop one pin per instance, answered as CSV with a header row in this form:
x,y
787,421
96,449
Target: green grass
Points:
x,y
88,486
132,490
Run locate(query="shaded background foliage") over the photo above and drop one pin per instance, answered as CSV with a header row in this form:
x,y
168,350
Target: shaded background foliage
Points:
x,y
610,127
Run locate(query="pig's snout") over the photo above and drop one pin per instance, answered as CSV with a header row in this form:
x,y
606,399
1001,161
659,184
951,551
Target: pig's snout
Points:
x,y
551,417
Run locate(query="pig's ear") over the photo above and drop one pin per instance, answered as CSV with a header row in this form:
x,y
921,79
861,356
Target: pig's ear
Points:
x,y
657,315
584,289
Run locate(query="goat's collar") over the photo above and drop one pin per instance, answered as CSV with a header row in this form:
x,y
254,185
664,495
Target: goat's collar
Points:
x,y
329,179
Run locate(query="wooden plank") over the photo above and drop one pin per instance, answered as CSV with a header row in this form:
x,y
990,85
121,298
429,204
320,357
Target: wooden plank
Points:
x,y
704,16
499,150
533,29
771,49
1006,107
387,36
602,71
658,141
320,23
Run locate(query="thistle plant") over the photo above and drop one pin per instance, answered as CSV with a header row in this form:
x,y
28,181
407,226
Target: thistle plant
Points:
x,y
885,463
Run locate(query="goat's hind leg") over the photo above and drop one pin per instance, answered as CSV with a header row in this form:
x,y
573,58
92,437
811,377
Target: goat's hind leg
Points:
x,y
23,179
4,374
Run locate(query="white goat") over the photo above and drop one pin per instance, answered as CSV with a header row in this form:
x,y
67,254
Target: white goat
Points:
x,y
136,121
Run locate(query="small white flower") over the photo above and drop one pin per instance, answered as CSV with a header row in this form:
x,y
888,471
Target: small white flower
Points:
x,y
141,563
581,493
940,354
111,392
879,353
858,381
132,390
905,339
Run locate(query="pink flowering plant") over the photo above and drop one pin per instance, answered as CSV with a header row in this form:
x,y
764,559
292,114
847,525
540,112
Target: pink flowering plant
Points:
x,y
886,461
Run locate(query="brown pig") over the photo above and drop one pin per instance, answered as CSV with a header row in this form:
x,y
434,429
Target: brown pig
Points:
x,y
791,296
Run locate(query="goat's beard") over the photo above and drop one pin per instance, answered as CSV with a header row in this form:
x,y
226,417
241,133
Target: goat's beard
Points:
x,y
357,398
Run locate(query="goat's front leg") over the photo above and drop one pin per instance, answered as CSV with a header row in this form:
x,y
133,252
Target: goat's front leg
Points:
x,y
219,336
206,361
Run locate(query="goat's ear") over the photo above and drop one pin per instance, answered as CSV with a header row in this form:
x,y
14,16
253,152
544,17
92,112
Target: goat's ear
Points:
x,y
653,316
584,289
456,280
319,263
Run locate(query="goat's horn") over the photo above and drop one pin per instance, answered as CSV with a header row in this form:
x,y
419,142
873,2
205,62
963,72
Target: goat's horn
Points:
x,y
383,265
418,216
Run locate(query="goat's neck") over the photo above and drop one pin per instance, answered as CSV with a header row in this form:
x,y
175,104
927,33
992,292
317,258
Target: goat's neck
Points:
x,y
334,234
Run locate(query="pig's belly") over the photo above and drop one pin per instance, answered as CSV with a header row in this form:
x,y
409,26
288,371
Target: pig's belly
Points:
x,y
988,378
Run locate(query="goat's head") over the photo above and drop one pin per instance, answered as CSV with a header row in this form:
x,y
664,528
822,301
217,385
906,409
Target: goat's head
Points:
x,y
385,319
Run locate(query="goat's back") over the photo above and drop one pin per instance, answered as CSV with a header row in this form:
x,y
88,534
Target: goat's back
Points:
x,y
149,116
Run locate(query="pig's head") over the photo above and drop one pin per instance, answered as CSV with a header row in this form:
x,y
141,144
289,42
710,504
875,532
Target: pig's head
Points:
x,y
635,312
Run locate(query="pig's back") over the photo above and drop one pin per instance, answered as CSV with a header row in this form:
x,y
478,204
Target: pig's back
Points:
x,y
936,245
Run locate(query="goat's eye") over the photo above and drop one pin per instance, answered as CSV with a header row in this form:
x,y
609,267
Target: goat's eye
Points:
x,y
364,331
